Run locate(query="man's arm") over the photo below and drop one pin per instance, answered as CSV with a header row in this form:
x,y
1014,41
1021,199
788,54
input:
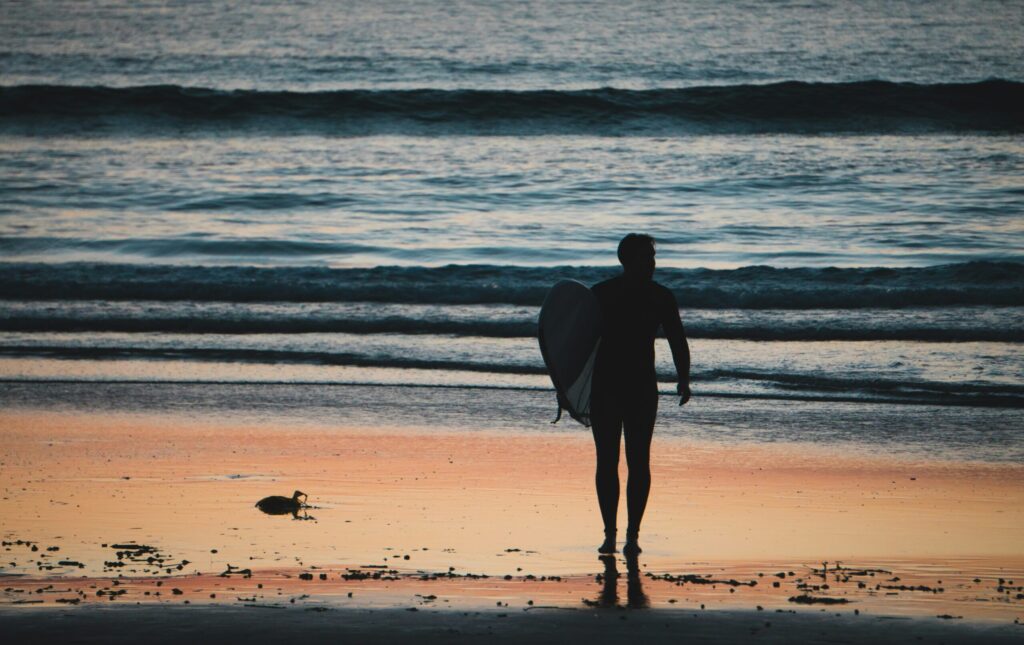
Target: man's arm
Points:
x,y
673,327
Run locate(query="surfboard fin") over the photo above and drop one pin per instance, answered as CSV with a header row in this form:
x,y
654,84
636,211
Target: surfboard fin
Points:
x,y
558,416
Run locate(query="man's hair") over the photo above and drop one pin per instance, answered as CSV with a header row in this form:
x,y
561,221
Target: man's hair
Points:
x,y
634,247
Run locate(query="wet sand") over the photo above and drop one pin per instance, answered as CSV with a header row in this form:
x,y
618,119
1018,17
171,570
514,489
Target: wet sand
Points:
x,y
505,524
241,625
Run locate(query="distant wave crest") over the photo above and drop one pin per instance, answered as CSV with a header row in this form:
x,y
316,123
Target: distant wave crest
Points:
x,y
869,106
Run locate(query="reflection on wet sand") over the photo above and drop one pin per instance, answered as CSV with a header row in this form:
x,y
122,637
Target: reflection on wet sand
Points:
x,y
609,580
635,596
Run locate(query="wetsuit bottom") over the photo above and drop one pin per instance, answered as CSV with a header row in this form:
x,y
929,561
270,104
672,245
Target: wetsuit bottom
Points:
x,y
631,413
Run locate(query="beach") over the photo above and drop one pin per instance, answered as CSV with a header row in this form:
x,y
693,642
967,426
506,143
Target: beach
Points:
x,y
300,250
113,516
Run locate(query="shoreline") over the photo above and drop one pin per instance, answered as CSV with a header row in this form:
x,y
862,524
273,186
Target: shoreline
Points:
x,y
911,590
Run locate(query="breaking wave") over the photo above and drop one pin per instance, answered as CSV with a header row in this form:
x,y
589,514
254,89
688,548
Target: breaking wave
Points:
x,y
868,106
754,287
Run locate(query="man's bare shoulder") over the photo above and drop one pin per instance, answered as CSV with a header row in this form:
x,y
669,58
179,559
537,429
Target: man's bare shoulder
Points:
x,y
665,299
661,291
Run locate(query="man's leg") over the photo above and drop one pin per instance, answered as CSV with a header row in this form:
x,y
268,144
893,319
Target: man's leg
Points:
x,y
607,430
639,428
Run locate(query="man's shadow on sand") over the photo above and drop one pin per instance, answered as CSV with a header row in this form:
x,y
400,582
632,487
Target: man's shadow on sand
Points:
x,y
609,597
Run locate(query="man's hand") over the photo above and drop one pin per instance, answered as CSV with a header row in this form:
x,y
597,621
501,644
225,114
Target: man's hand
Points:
x,y
684,393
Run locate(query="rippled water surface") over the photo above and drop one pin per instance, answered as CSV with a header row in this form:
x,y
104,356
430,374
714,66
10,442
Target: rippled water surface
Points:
x,y
320,44
382,193
711,201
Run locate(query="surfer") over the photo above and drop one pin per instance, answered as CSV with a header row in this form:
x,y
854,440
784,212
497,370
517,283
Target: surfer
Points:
x,y
624,398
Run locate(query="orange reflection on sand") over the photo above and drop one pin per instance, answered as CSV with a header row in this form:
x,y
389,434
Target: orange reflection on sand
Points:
x,y
487,503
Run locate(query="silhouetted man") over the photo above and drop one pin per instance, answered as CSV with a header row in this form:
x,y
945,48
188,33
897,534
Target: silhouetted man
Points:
x,y
625,388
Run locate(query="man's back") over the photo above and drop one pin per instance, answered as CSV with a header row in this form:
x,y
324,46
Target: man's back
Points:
x,y
631,310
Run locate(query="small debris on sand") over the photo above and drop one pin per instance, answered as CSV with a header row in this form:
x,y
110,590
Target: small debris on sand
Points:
x,y
699,580
232,570
805,599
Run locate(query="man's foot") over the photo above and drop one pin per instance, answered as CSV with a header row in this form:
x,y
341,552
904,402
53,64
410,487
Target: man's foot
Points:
x,y
632,546
608,546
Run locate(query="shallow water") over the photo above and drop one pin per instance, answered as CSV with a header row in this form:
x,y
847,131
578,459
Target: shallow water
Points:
x,y
463,402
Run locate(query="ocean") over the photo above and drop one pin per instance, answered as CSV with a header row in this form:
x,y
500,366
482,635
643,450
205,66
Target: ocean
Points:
x,y
292,200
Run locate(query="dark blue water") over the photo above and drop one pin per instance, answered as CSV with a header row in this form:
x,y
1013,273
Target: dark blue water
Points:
x,y
872,107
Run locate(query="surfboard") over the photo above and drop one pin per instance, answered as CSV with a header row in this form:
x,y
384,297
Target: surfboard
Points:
x,y
569,331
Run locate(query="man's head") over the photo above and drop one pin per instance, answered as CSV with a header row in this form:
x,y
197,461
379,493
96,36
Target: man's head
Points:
x,y
636,253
